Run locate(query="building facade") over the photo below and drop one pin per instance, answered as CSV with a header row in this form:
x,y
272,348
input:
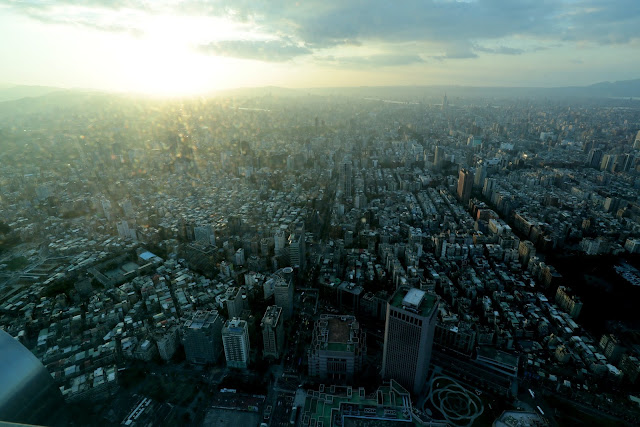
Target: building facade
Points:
x,y
408,337
337,349
465,185
283,291
235,340
202,337
568,302
272,332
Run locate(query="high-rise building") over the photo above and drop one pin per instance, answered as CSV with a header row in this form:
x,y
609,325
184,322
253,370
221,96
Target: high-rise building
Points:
x,y
204,234
438,156
346,173
408,337
465,184
487,188
568,301
235,340
167,341
594,158
297,252
279,240
337,349
283,291
628,162
236,302
526,251
240,257
127,208
480,175
630,366
202,337
272,332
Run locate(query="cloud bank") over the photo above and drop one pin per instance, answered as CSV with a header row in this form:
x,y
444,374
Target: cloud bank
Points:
x,y
402,32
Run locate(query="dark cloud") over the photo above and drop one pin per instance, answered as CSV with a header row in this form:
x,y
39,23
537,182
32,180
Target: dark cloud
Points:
x,y
603,22
502,50
380,60
319,23
270,50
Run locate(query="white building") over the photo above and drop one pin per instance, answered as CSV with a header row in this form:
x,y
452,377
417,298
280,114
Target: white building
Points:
x,y
235,340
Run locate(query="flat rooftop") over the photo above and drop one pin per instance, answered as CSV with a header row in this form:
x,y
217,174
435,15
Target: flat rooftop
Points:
x,y
497,356
339,330
383,408
416,299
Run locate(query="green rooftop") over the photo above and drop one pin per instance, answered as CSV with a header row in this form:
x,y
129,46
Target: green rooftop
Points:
x,y
424,302
338,346
385,407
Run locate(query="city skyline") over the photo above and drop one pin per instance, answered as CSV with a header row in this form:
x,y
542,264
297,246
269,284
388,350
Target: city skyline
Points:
x,y
411,258
190,47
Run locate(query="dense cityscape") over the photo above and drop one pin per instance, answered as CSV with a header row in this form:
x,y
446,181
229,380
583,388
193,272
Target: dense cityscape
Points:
x,y
318,259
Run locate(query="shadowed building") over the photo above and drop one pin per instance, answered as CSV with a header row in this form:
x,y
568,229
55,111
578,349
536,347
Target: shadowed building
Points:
x,y
202,337
235,339
337,349
465,185
283,290
408,337
272,331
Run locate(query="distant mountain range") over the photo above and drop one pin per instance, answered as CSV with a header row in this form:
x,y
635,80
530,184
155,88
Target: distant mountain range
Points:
x,y
619,89
11,93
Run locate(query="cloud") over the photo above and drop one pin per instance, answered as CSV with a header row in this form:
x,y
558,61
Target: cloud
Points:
x,y
457,50
93,14
379,60
603,22
263,50
313,25
501,50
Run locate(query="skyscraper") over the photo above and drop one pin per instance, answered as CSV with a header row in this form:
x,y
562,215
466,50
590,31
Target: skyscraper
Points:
x,y
283,291
480,175
279,240
594,158
297,252
235,340
346,177
408,337
438,156
465,184
272,331
204,234
202,337
236,302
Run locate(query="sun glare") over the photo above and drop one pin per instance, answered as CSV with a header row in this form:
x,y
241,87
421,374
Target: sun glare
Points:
x,y
165,60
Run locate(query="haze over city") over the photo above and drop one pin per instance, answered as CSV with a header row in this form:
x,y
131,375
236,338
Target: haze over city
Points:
x,y
320,213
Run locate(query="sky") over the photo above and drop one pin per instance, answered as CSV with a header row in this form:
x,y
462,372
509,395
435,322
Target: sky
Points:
x,y
182,47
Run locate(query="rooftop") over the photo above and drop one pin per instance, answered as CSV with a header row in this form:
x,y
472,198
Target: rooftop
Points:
x,y
388,406
339,330
415,299
337,333
271,315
